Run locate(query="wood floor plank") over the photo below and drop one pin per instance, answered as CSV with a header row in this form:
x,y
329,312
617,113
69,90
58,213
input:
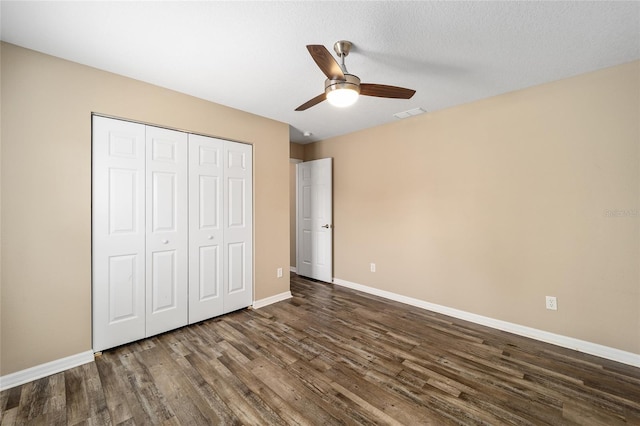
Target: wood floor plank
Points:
x,y
55,405
30,401
392,405
212,405
483,394
85,400
115,390
331,355
9,417
587,415
145,392
314,377
9,403
280,407
241,402
293,392
170,380
372,410
120,393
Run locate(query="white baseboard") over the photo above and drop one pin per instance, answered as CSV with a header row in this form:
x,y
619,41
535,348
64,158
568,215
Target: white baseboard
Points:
x,y
602,351
293,269
43,370
257,304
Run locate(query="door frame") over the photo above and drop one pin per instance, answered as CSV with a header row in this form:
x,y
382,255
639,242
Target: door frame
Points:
x,y
295,162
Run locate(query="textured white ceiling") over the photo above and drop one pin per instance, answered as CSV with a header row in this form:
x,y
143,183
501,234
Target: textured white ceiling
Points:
x,y
252,56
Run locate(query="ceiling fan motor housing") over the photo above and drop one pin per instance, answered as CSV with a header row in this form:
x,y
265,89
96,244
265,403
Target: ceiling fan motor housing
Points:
x,y
351,82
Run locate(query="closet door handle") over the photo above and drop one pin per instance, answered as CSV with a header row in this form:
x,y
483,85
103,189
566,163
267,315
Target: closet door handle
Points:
x,y
165,241
210,237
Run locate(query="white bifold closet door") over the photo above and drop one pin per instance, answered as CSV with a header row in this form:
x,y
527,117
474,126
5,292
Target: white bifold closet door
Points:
x,y
172,230
118,232
220,227
238,226
206,231
167,230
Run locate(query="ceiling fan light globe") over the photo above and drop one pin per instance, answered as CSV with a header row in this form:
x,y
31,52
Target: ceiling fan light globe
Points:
x,y
342,93
342,98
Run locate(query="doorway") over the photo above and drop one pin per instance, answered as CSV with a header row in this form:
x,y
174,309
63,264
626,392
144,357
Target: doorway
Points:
x,y
314,219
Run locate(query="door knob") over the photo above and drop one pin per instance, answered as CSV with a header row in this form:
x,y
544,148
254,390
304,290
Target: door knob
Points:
x,y
326,226
210,237
165,241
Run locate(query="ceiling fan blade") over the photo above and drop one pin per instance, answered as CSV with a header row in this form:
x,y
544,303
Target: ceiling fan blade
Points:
x,y
325,61
312,102
384,91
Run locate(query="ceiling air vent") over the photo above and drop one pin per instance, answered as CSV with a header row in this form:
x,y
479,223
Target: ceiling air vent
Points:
x,y
409,113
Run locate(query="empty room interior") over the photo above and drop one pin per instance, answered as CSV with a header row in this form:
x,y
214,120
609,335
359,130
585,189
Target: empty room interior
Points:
x,y
320,213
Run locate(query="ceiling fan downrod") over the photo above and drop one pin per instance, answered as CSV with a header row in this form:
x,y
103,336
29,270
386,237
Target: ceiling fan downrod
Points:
x,y
342,49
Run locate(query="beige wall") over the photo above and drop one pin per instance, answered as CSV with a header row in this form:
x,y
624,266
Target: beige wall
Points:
x,y
296,152
491,206
46,193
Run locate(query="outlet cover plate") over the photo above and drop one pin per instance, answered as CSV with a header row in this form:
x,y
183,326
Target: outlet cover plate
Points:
x,y
552,303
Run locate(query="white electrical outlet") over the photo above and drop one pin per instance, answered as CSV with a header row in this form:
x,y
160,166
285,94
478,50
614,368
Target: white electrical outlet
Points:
x,y
373,267
552,303
279,273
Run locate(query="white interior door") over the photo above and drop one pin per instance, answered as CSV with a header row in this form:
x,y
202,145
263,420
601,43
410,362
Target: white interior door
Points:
x,y
314,219
118,232
167,233
205,227
238,226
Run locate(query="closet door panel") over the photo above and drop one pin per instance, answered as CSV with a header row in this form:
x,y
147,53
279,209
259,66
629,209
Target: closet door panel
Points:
x,y
238,226
205,227
118,232
167,232
122,289
236,263
164,280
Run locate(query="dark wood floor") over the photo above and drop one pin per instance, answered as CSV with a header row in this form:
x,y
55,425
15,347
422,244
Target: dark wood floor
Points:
x,y
333,356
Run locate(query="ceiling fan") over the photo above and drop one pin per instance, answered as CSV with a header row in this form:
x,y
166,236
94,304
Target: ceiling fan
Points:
x,y
341,89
